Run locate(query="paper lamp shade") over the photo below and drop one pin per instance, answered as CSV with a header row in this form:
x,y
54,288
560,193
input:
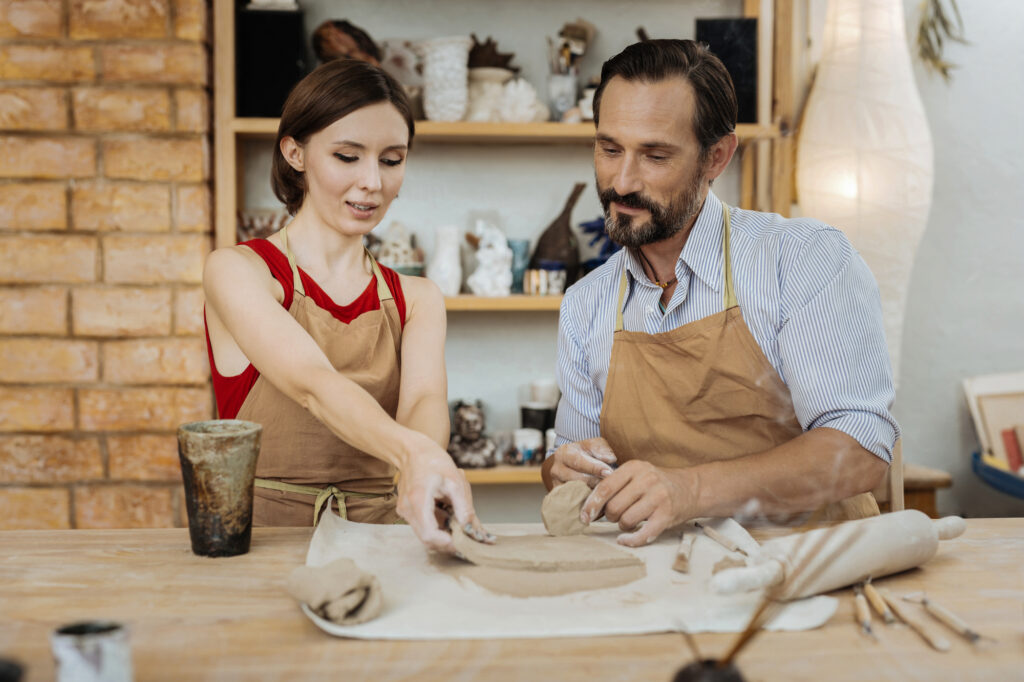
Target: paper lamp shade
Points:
x,y
864,158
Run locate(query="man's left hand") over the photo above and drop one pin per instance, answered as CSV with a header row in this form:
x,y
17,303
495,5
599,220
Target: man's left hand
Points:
x,y
641,493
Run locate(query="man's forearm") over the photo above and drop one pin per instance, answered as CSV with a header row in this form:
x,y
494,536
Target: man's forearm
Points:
x,y
818,467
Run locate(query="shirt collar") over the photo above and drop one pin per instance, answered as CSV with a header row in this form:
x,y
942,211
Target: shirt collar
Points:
x,y
702,252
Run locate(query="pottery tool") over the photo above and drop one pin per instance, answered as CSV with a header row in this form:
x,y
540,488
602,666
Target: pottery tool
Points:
x,y
720,539
682,562
935,641
876,601
862,612
944,616
876,546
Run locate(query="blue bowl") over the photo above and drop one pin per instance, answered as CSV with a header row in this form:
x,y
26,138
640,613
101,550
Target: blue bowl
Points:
x,y
1003,481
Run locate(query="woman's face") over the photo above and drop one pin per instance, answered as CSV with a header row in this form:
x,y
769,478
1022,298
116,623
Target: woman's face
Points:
x,y
353,167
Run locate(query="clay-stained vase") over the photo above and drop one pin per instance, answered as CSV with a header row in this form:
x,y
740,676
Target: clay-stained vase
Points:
x,y
445,268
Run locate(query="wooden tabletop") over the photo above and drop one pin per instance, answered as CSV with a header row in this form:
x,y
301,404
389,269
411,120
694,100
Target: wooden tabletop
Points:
x,y
193,618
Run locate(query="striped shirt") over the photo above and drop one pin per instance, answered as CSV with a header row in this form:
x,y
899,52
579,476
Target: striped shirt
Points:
x,y
807,296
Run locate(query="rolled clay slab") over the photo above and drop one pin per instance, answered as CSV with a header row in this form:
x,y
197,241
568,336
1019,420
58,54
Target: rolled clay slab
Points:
x,y
545,566
561,507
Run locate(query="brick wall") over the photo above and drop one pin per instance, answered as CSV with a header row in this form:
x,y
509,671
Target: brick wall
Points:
x,y
105,220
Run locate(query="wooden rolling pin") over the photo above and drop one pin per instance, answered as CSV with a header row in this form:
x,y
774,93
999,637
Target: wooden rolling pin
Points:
x,y
843,555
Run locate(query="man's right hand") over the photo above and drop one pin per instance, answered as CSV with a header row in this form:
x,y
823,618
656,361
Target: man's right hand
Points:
x,y
588,460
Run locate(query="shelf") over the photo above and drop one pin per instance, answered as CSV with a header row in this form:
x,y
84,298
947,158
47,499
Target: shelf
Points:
x,y
493,133
504,474
514,302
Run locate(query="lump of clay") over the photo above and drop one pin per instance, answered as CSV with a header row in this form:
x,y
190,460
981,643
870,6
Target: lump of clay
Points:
x,y
339,591
561,507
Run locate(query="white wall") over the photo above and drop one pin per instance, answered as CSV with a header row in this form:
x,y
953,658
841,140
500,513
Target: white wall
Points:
x,y
965,310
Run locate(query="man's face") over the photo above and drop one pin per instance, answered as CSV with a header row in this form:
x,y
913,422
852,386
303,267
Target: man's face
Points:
x,y
650,171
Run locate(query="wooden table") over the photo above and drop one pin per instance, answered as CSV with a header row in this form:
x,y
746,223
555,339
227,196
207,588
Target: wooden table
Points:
x,y
193,618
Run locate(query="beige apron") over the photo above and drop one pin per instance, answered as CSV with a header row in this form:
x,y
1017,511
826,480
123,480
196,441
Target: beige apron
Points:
x,y
302,464
700,393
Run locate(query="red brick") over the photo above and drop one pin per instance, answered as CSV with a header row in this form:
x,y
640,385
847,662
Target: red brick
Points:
x,y
192,106
54,63
192,208
128,206
37,409
34,310
120,311
109,19
155,159
34,508
154,259
172,64
190,19
138,109
30,19
47,259
47,157
144,458
188,311
123,506
136,409
33,206
33,109
49,459
156,361
48,360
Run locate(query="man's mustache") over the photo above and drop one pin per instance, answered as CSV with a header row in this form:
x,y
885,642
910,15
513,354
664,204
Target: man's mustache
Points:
x,y
631,200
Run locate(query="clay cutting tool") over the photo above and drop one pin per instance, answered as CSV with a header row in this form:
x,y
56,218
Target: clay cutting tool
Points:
x,y
862,612
876,601
944,616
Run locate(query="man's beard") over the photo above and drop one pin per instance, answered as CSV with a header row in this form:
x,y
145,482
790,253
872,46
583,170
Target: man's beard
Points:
x,y
665,221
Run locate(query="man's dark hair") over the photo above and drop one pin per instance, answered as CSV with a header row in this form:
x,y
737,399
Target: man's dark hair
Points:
x,y
652,61
329,93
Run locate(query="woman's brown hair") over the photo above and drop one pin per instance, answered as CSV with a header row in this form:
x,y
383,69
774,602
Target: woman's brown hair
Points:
x,y
329,93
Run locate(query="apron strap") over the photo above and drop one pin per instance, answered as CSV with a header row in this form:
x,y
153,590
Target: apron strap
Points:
x,y
322,495
383,292
296,280
729,297
730,293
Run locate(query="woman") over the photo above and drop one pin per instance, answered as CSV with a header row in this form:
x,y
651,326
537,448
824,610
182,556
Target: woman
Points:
x,y
340,360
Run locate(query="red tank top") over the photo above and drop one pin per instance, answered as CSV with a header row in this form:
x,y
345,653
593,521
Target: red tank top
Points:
x,y
231,391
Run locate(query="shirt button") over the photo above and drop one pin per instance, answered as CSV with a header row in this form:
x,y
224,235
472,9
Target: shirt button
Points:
x,y
650,310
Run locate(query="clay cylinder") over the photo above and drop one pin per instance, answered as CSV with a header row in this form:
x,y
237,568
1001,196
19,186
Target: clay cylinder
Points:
x,y
92,651
218,465
856,551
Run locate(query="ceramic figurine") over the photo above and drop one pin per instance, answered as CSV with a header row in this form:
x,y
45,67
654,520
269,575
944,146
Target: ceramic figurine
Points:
x,y
398,251
486,87
468,446
445,268
519,103
493,274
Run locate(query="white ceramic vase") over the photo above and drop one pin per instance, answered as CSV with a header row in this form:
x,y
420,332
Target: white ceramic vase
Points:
x,y
864,160
445,70
445,268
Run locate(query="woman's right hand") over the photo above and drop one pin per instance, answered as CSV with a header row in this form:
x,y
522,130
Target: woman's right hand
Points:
x,y
430,480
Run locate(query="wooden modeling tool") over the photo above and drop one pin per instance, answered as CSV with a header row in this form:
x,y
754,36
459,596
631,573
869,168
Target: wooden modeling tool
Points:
x,y
936,642
876,601
682,562
863,613
720,539
944,616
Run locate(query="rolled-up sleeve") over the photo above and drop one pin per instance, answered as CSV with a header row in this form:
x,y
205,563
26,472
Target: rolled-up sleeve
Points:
x,y
832,345
579,409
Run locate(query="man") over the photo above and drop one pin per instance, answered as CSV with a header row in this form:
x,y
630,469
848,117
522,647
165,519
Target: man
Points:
x,y
725,360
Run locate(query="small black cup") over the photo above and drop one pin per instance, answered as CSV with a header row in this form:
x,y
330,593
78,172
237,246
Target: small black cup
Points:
x,y
537,416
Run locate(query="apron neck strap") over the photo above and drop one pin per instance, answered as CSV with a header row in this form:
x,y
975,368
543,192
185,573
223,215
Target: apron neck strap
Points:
x,y
729,297
296,280
383,292
730,293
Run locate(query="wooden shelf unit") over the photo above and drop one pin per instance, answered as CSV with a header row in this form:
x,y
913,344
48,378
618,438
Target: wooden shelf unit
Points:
x,y
515,302
766,148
